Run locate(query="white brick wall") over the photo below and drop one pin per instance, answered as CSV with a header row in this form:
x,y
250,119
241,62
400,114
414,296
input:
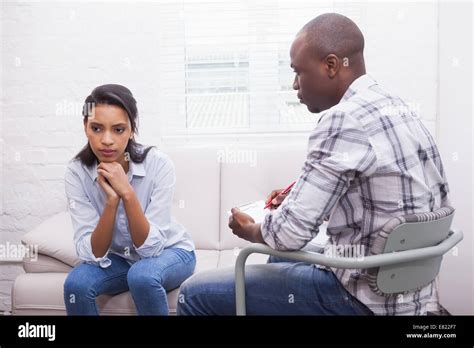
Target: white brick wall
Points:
x,y
54,53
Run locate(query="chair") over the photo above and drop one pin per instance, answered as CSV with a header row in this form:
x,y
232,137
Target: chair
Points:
x,y
406,254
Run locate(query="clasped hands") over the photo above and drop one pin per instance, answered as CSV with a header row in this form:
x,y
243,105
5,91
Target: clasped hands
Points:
x,y
113,180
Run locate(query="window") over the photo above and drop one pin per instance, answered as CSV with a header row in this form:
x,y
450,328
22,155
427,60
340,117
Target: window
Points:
x,y
226,65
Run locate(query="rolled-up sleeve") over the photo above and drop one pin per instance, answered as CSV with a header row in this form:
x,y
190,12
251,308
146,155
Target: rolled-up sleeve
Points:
x,y
84,219
339,150
158,211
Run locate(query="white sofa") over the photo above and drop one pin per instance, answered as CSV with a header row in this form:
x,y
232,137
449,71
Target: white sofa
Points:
x,y
210,180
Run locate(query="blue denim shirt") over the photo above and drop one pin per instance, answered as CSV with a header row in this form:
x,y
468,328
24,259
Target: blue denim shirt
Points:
x,y
153,181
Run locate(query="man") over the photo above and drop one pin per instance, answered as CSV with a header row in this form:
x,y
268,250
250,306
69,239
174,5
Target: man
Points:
x,y
369,159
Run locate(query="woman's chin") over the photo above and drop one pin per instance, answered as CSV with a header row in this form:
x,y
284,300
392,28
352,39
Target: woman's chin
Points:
x,y
106,159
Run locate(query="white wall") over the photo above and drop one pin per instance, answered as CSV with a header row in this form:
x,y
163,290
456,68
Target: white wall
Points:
x,y
53,53
401,43
456,146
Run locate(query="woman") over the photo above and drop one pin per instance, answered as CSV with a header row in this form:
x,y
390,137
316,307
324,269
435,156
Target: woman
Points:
x,y
120,196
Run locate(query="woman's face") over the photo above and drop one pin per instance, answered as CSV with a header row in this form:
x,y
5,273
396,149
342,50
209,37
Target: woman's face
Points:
x,y
108,130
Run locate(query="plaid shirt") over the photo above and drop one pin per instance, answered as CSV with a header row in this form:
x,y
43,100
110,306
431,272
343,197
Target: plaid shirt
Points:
x,y
369,159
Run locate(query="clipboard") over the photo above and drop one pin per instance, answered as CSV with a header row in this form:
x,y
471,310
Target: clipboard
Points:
x,y
255,209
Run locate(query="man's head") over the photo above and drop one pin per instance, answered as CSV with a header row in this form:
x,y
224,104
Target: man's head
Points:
x,y
326,55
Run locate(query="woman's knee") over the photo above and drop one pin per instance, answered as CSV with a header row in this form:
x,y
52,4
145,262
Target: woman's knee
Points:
x,y
139,278
77,284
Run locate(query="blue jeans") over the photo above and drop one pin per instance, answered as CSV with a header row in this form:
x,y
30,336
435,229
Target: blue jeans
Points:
x,y
280,287
147,279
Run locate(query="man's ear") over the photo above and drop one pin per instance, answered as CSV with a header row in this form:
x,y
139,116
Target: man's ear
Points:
x,y
333,64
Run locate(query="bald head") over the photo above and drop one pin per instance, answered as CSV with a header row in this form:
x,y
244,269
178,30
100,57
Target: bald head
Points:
x,y
336,34
327,55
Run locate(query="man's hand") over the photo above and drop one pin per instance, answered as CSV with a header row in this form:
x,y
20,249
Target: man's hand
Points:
x,y
244,226
115,175
276,198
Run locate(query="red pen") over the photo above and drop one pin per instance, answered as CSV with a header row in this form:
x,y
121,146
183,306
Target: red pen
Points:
x,y
284,192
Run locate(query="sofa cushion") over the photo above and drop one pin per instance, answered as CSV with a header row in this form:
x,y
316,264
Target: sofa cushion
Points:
x,y
256,180
206,259
38,294
196,196
42,293
54,238
46,264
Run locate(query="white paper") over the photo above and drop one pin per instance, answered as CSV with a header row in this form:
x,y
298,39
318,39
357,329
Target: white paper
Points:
x,y
254,209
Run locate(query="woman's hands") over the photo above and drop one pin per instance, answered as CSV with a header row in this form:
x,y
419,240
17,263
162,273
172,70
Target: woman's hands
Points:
x,y
114,181
117,185
112,196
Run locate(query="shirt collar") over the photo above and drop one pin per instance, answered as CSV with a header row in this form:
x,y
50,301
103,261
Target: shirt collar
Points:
x,y
362,82
134,169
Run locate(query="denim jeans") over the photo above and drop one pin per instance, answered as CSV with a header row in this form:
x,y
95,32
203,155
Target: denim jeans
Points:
x,y
280,287
147,279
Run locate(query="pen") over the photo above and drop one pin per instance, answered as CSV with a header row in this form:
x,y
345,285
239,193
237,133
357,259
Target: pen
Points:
x,y
284,192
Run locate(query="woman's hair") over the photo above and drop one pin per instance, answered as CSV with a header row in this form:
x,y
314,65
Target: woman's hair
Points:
x,y
122,97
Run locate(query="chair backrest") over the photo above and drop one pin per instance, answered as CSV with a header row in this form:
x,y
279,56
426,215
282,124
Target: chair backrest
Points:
x,y
404,233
